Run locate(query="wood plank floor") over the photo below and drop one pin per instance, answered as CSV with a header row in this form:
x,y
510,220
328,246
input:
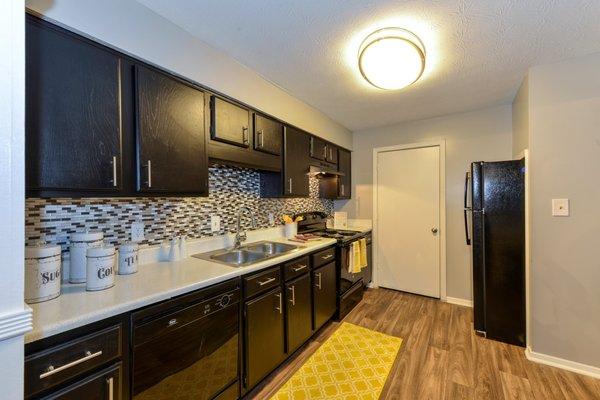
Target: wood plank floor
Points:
x,y
441,357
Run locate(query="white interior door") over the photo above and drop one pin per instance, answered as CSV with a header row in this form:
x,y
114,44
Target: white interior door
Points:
x,y
408,220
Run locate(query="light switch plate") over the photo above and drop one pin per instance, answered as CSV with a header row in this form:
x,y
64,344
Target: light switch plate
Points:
x,y
215,223
137,231
560,207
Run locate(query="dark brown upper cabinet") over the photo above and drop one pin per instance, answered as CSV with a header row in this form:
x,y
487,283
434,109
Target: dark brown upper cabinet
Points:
x,y
331,153
318,148
171,141
268,135
295,163
73,115
230,123
345,167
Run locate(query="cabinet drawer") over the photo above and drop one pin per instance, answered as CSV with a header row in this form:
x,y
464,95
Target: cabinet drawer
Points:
x,y
103,385
296,268
55,365
262,281
323,257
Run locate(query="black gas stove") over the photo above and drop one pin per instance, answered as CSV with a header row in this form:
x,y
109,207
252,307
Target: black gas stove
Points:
x,y
349,285
315,222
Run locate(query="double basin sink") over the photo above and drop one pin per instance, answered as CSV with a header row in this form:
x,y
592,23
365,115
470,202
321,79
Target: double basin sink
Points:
x,y
248,254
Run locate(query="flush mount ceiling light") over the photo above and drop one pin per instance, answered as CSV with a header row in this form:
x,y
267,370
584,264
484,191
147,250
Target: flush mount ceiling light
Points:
x,y
391,58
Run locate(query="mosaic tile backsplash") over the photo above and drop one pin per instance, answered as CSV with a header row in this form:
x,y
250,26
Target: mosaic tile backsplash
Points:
x,y
53,220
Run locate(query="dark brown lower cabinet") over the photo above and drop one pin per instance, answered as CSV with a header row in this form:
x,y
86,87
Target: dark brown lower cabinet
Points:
x,y
264,345
324,293
103,385
298,312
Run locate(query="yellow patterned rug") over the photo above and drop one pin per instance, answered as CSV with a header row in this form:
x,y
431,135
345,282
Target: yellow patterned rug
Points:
x,y
352,364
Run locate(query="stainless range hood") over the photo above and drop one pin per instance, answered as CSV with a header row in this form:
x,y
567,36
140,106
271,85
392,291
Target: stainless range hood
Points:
x,y
323,172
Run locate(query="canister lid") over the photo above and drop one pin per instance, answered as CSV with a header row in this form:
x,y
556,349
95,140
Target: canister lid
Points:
x,y
91,236
42,250
102,251
129,246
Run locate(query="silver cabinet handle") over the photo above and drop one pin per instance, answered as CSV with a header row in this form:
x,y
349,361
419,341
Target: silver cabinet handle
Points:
x,y
280,308
299,268
245,134
261,139
318,285
327,257
114,165
51,370
110,388
149,173
290,185
172,321
325,152
267,281
342,189
293,299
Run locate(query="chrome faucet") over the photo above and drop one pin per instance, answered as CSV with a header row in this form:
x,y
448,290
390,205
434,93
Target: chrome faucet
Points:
x,y
240,235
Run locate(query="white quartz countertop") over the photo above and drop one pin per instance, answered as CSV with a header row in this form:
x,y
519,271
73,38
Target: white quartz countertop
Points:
x,y
154,282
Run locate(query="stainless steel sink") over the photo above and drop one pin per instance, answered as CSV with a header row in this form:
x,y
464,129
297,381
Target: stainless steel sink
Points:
x,y
248,254
270,248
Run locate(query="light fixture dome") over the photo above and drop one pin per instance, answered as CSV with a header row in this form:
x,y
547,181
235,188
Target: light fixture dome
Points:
x,y
391,58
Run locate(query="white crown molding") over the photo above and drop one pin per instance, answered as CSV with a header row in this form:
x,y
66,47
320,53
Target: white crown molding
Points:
x,y
459,302
16,323
557,362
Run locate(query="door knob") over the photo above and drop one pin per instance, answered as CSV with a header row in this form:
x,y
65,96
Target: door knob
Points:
x,y
434,230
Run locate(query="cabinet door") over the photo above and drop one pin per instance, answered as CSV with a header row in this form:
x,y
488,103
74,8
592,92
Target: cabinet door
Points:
x,y
73,109
324,293
101,386
318,148
331,153
170,135
268,135
295,158
264,336
298,312
229,123
344,166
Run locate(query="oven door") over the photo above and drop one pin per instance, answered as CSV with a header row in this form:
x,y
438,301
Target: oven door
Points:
x,y
347,279
191,353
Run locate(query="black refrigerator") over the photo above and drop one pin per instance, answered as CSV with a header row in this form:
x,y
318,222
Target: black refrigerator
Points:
x,y
497,239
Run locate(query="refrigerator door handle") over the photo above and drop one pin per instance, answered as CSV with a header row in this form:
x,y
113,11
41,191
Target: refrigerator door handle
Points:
x,y
467,209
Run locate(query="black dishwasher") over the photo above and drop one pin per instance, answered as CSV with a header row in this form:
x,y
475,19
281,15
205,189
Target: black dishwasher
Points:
x,y
187,347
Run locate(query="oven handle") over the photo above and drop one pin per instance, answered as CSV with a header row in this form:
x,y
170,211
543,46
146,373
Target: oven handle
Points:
x,y
467,209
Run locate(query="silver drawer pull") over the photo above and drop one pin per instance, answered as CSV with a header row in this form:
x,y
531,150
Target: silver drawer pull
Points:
x,y
110,388
299,268
327,257
172,322
318,285
114,166
149,174
280,308
51,370
293,299
263,283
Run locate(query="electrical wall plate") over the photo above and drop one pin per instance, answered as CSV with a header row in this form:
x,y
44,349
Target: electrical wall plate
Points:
x,y
137,231
560,207
215,223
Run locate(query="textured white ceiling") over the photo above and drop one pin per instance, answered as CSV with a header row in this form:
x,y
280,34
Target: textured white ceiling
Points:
x,y
477,50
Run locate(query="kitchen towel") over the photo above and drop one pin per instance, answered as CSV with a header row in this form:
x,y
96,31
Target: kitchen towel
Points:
x,y
356,262
363,253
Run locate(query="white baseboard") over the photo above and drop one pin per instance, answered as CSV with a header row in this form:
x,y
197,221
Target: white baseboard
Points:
x,y
459,302
557,362
15,323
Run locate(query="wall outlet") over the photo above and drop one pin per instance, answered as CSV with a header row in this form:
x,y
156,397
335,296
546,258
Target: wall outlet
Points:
x,y
137,232
560,207
271,219
215,223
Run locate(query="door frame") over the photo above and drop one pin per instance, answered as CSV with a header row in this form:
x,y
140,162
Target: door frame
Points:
x,y
441,144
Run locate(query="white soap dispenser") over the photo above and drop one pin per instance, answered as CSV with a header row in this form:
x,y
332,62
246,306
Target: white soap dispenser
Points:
x,y
174,249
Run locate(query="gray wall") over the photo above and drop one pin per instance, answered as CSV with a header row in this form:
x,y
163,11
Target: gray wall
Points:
x,y
135,29
565,252
520,119
474,136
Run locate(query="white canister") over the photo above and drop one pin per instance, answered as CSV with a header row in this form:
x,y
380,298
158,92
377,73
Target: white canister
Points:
x,y
128,258
100,268
80,243
42,272
291,230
